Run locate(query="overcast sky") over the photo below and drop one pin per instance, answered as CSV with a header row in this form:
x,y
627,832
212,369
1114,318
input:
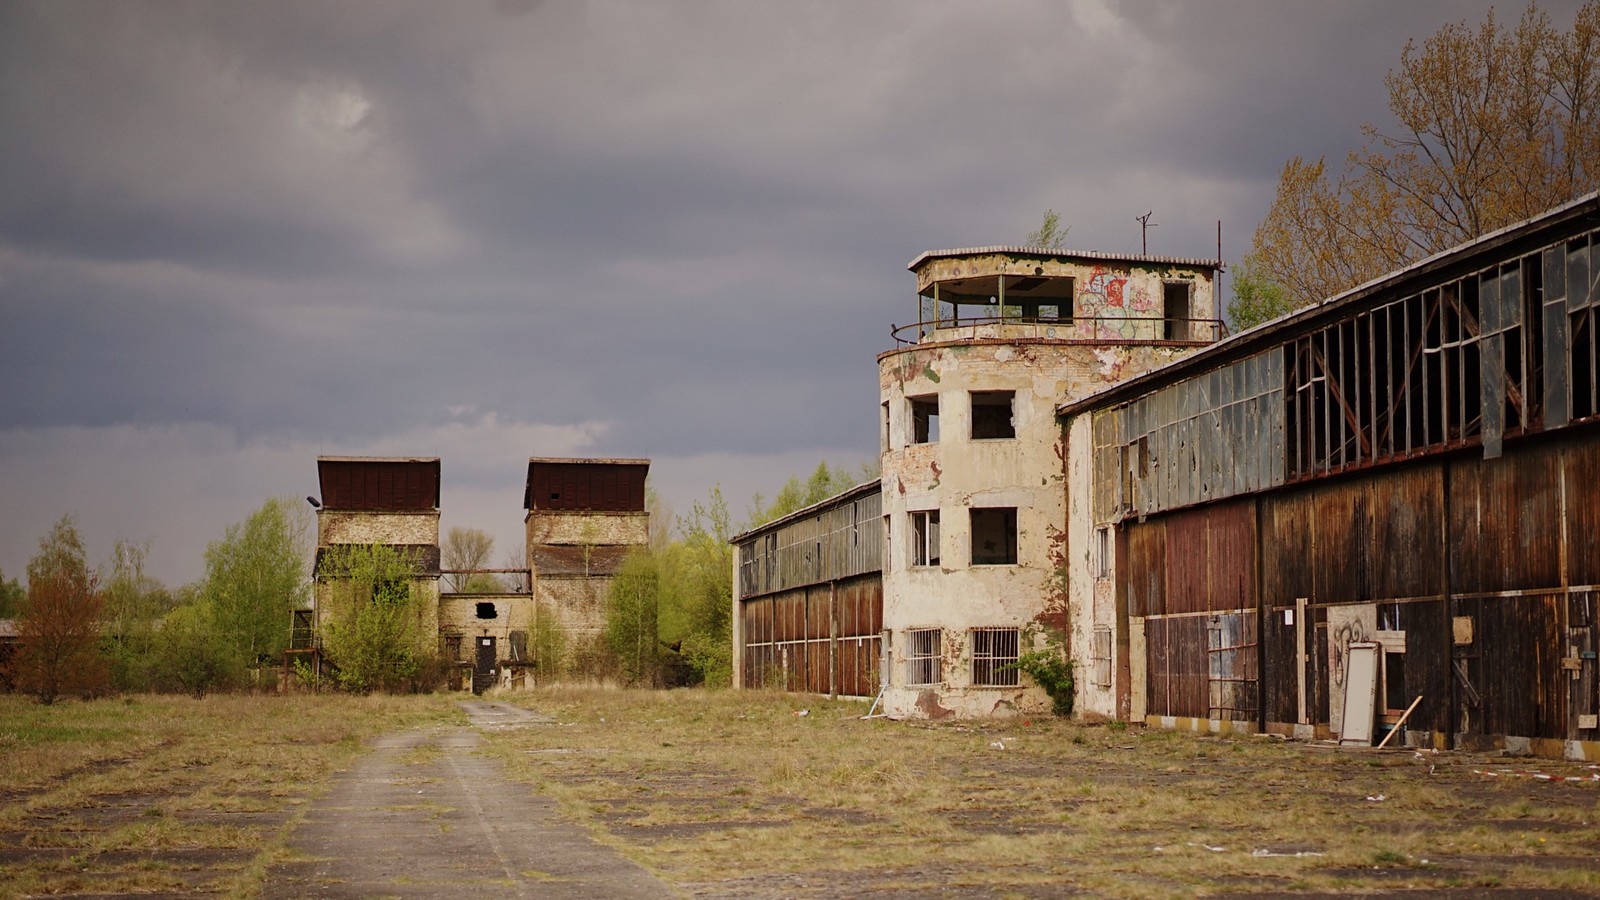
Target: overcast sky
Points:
x,y
235,236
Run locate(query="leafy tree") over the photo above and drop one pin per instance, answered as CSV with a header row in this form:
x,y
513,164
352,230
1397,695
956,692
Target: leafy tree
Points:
x,y
13,597
631,619
704,589
469,548
1052,235
192,654
135,604
255,577
1256,298
377,627
796,494
1490,127
59,632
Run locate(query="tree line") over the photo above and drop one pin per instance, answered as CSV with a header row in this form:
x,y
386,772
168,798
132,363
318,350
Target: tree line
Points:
x,y
87,631
1491,125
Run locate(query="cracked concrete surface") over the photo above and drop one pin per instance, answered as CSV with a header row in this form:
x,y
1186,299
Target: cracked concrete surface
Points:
x,y
425,814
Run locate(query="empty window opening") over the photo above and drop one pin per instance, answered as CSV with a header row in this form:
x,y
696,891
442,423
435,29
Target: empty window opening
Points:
x,y
994,536
994,657
1102,552
992,415
1100,662
924,656
486,611
1175,309
925,419
519,646
884,444
452,647
925,538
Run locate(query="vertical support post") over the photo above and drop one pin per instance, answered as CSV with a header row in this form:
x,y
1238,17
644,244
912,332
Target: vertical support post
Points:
x,y
1300,610
833,640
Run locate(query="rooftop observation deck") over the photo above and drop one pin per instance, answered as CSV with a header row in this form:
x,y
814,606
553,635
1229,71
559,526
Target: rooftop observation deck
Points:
x,y
1050,295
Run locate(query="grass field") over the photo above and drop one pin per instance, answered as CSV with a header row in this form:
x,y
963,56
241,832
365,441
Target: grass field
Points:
x,y
733,794
168,794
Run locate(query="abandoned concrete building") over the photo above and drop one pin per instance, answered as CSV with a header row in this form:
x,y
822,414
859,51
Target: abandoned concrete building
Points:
x,y
583,517
1388,501
965,540
366,501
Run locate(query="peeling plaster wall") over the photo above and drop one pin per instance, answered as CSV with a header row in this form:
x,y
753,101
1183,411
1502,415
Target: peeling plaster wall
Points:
x,y
351,527
1030,472
1090,598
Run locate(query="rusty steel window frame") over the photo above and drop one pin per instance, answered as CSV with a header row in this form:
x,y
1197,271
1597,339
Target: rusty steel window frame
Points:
x,y
924,656
924,537
994,656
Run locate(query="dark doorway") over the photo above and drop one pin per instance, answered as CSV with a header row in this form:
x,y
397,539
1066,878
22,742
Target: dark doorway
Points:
x,y
483,672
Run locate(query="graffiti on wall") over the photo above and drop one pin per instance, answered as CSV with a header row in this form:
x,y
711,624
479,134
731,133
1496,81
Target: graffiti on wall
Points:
x,y
1116,303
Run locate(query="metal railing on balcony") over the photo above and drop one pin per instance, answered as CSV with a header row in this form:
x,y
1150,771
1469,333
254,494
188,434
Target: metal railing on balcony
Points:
x,y
1093,329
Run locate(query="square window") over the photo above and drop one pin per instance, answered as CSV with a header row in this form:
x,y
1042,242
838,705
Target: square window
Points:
x,y
925,538
994,657
992,415
924,656
924,419
994,536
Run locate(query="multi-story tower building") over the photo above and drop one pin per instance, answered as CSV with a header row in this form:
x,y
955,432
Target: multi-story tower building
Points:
x,y
974,460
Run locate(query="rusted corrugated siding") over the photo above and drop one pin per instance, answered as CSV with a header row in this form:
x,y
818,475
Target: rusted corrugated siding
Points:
x,y
1146,568
590,485
1580,466
1514,667
787,638
386,485
1179,678
1341,532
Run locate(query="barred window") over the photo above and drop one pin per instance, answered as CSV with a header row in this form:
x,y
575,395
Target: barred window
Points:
x,y
924,656
994,657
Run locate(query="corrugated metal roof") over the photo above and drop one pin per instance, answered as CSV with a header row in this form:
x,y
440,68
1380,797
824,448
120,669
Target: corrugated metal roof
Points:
x,y
585,485
865,487
8,628
1099,255
1270,333
379,483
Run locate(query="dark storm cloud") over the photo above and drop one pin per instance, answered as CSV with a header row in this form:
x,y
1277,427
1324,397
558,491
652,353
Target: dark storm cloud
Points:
x,y
235,235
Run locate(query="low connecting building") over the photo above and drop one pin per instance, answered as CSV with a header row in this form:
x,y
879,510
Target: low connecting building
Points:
x,y
1379,512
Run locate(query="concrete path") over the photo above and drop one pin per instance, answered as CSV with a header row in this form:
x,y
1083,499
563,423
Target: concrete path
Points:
x,y
426,815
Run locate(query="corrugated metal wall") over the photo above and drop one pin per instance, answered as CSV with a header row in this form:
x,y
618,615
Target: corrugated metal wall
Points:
x,y
385,485
817,639
1481,573
839,541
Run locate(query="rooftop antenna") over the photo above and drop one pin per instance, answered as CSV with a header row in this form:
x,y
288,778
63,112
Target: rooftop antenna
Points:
x,y
1144,232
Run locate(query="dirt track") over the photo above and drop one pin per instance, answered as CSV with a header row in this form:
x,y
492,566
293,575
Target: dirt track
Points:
x,y
426,815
